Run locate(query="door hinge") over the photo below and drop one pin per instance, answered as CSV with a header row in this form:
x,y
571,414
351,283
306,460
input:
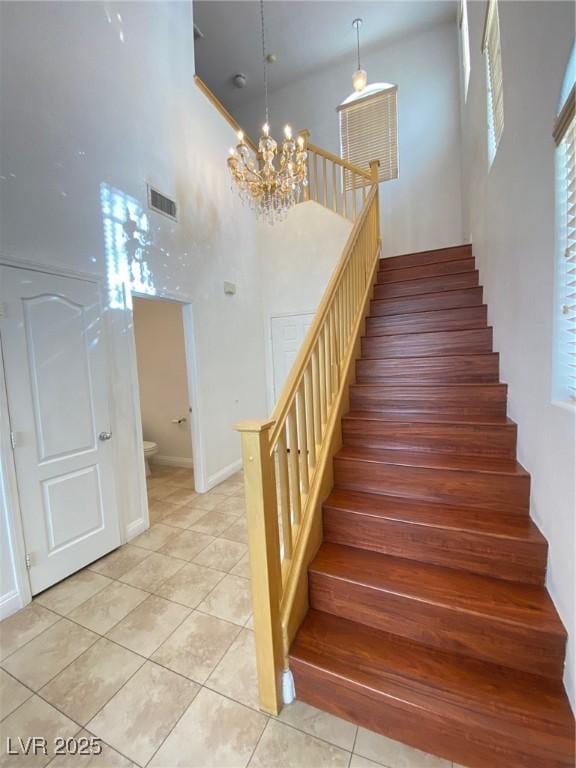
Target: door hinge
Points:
x,y
28,560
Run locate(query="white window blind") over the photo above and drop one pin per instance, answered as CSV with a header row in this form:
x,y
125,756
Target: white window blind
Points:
x,y
565,363
465,45
493,57
369,131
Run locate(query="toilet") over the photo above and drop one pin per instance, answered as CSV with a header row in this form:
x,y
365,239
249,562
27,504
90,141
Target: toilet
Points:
x,y
150,449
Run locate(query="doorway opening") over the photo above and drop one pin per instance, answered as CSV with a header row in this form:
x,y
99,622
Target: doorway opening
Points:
x,y
165,397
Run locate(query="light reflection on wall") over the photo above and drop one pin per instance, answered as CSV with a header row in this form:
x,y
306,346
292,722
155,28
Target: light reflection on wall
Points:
x,y
127,238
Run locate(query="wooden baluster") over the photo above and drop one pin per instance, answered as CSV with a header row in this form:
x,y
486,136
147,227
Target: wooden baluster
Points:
x,y
322,378
303,439
316,185
328,364
344,193
293,468
363,193
284,493
354,203
316,394
309,406
325,181
334,189
264,549
334,354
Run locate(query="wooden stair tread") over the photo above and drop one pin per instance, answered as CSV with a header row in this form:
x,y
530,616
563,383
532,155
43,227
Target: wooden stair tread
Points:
x,y
524,605
431,515
456,298
389,669
418,271
480,464
434,256
408,417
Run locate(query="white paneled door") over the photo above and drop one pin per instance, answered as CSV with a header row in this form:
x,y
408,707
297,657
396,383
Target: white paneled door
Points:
x,y
57,381
288,333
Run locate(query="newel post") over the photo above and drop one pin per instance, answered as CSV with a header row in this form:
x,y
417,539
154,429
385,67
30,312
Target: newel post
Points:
x,y
305,133
374,166
264,551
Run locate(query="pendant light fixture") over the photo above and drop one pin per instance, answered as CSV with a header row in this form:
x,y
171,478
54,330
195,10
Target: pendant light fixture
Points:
x,y
273,186
360,76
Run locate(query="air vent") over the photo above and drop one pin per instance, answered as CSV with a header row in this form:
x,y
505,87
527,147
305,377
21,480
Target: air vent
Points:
x,y
161,203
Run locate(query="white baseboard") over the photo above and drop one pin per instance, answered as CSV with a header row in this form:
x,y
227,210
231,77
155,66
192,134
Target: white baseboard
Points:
x,y
173,461
135,528
223,474
9,604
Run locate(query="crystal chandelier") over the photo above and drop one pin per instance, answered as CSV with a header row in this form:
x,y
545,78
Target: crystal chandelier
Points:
x,y
273,184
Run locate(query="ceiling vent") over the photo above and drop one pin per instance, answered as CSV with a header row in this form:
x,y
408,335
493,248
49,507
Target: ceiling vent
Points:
x,y
161,203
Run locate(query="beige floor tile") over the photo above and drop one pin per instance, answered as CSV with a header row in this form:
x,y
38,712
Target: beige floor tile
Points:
x,y
72,592
190,585
242,568
155,537
159,510
108,757
213,523
235,503
12,694
214,732
196,646
47,655
284,747
148,625
34,718
185,482
339,732
140,716
187,545
230,600
152,572
236,675
394,754
21,627
180,496
207,501
108,607
221,554
183,517
118,562
163,491
362,762
231,486
238,531
83,688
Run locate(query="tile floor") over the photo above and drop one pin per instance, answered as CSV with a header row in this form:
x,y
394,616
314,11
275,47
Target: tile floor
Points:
x,y
150,649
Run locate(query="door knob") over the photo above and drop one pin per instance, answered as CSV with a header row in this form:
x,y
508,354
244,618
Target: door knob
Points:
x,y
104,436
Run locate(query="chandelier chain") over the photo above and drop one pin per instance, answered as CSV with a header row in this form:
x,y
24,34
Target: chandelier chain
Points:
x,y
266,107
357,25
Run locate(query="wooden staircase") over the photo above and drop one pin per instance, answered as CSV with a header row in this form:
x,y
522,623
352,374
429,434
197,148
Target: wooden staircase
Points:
x,y
428,619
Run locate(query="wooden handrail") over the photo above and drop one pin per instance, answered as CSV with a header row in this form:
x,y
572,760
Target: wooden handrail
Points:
x,y
355,169
223,111
288,458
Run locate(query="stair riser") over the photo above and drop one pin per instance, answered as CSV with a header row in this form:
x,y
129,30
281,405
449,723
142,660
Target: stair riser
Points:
x,y
461,369
446,732
473,440
428,344
426,285
426,257
422,271
463,319
494,556
467,297
439,626
481,490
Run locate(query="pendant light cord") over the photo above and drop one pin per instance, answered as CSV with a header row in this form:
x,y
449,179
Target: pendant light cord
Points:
x,y
264,62
358,41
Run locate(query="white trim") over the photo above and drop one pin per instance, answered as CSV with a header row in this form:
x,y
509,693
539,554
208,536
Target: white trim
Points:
x,y
51,269
135,528
172,461
223,474
22,595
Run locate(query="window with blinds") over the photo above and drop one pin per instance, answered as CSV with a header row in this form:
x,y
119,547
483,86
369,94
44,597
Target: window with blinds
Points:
x,y
565,326
369,131
494,85
465,46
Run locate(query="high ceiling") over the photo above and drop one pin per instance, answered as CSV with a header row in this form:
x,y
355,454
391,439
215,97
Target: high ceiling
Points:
x,y
305,36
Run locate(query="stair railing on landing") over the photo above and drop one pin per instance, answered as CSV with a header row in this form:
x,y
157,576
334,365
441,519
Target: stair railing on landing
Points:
x,y
288,457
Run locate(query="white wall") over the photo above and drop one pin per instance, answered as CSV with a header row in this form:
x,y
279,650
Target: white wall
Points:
x,y
511,214
297,258
422,208
89,99
163,378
